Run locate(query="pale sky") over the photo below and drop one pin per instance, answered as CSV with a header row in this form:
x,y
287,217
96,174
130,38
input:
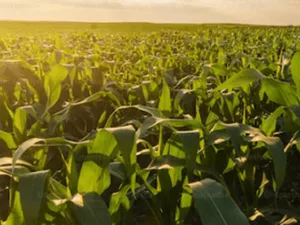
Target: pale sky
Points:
x,y
281,12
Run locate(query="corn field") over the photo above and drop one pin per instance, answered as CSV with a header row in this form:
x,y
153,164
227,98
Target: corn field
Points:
x,y
165,127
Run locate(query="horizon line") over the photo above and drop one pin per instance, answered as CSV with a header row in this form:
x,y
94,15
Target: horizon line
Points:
x,y
145,22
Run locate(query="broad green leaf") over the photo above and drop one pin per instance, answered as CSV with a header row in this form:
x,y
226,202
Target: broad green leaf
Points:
x,y
93,178
214,204
94,175
165,104
20,123
126,139
278,155
8,139
33,189
104,143
174,149
241,79
92,210
223,132
190,141
280,92
274,144
235,132
181,146
185,203
295,67
52,84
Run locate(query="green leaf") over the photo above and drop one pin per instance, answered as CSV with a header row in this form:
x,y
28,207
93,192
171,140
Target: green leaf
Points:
x,y
30,111
16,214
171,123
274,144
219,69
98,178
214,204
72,174
56,189
92,210
280,92
23,148
241,79
18,169
118,170
165,99
8,139
32,187
295,67
278,155
17,91
117,198
185,204
126,139
269,125
94,175
190,141
52,84
4,161
179,96
44,142
209,169
96,96
166,162
152,111
19,124
173,148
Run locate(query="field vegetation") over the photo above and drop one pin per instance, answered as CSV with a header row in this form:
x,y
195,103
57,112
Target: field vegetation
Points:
x,y
149,124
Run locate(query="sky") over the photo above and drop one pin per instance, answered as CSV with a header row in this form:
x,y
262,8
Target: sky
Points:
x,y
275,12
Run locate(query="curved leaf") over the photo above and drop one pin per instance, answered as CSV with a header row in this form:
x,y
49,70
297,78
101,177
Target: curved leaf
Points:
x,y
241,79
214,204
269,125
